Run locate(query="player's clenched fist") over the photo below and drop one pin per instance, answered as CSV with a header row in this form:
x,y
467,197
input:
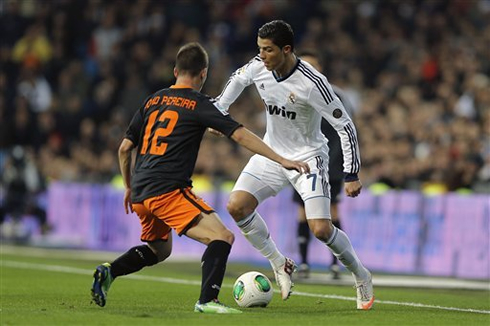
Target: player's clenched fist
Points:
x,y
353,188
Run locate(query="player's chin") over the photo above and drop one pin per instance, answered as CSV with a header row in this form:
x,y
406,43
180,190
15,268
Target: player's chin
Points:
x,y
268,67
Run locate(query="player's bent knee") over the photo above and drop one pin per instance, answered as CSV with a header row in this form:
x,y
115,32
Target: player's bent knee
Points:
x,y
322,229
161,249
162,255
228,237
241,204
236,210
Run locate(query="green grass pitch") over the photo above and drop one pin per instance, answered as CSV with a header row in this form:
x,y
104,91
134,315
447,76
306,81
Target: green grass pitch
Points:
x,y
53,288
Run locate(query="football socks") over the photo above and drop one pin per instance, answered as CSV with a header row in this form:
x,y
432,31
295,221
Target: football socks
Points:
x,y
336,223
213,264
256,232
341,247
133,260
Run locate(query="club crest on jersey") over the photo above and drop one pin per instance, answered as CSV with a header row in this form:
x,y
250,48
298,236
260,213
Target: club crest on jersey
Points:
x,y
337,113
292,98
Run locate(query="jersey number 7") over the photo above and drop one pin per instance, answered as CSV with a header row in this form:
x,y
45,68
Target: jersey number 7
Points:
x,y
158,148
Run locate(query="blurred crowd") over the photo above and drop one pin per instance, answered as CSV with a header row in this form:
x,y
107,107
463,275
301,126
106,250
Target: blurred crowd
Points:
x,y
418,73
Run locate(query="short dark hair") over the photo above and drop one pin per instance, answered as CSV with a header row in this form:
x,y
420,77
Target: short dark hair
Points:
x,y
192,58
279,32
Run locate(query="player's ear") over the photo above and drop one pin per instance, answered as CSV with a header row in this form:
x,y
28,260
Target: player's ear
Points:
x,y
204,74
287,49
176,72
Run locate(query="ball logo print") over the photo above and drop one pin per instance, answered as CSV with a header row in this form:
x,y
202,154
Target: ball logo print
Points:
x,y
252,289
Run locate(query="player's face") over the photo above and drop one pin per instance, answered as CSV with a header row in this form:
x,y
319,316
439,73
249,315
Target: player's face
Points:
x,y
274,58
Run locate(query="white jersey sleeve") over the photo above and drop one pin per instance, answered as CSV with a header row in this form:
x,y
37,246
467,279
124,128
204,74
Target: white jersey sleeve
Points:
x,y
240,79
324,100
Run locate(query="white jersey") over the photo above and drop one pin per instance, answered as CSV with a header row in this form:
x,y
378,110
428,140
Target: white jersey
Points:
x,y
295,105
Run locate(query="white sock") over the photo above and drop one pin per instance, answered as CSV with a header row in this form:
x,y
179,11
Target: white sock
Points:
x,y
256,232
341,247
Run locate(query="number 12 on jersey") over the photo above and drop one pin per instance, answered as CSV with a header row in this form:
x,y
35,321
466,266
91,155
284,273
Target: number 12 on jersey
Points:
x,y
157,148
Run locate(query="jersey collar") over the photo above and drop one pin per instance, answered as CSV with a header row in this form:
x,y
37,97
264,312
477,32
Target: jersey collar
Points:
x,y
180,86
280,79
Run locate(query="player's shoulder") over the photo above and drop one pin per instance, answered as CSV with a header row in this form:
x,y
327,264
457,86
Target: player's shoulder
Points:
x,y
312,78
256,60
203,100
308,72
253,64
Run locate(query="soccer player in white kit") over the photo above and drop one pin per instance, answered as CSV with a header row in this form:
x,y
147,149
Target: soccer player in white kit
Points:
x,y
296,97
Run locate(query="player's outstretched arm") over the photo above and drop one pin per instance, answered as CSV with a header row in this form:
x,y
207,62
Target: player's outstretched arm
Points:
x,y
252,142
124,155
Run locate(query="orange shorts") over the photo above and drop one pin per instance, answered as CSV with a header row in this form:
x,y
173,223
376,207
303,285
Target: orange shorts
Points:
x,y
177,210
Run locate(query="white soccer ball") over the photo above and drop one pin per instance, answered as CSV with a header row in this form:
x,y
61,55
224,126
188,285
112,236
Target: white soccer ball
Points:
x,y
252,289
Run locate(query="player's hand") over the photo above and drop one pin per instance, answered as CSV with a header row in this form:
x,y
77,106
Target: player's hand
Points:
x,y
301,167
353,188
215,132
128,207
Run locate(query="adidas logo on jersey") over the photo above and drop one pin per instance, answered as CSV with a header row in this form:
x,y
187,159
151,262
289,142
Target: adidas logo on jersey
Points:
x,y
262,86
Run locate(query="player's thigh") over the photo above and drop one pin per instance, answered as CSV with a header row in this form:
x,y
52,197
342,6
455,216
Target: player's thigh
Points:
x,y
179,209
152,228
208,228
262,178
314,188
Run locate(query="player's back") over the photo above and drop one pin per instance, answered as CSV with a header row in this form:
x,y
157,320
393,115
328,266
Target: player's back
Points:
x,y
169,129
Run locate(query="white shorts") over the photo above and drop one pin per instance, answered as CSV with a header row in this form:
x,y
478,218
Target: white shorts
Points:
x,y
264,178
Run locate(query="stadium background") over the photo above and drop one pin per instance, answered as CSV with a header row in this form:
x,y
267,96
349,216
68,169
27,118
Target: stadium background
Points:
x,y
73,72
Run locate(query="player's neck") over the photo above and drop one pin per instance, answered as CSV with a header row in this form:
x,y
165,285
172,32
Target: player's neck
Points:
x,y
288,66
187,81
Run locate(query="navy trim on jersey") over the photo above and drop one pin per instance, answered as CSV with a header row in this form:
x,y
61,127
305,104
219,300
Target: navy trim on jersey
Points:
x,y
317,81
355,164
280,79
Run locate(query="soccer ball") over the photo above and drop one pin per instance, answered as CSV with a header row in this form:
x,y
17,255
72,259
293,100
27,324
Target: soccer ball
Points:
x,y
252,289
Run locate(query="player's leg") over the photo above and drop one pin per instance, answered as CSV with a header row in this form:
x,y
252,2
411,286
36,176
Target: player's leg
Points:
x,y
190,215
335,189
209,230
303,232
261,179
340,245
315,191
159,246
